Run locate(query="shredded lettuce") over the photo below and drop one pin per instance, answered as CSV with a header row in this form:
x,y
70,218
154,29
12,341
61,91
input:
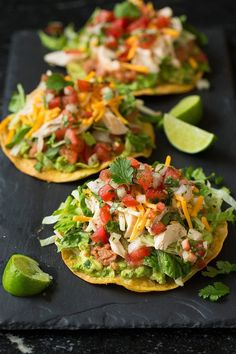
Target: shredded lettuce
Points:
x,y
18,99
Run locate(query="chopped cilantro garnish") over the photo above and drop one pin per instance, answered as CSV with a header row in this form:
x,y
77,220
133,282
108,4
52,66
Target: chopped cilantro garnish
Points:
x,y
121,171
223,267
171,182
57,82
112,226
214,292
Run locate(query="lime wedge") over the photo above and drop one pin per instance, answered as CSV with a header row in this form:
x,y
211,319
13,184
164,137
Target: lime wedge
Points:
x,y
189,109
186,137
23,277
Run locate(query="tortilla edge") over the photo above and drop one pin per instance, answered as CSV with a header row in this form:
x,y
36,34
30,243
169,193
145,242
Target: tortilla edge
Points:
x,y
136,285
27,165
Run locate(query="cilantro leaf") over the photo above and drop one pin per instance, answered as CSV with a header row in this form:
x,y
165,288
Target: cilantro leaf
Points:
x,y
121,171
18,99
138,142
214,292
224,267
57,82
112,226
171,182
126,9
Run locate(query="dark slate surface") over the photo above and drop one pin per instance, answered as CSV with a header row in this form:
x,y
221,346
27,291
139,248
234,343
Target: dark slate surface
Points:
x,y
25,14
110,306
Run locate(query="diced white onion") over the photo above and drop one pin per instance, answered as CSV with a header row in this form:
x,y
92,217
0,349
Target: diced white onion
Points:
x,y
116,245
134,245
141,198
52,219
121,221
48,241
194,235
157,179
94,186
121,192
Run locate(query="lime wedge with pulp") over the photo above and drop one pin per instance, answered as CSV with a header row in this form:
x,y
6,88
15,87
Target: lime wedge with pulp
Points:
x,y
189,109
186,137
23,277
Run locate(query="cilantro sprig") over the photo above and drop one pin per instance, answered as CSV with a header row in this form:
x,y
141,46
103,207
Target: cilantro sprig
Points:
x,y
223,267
214,292
121,171
57,82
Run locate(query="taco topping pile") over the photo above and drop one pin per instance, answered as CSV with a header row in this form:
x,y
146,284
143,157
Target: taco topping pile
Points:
x,y
134,45
137,221
67,126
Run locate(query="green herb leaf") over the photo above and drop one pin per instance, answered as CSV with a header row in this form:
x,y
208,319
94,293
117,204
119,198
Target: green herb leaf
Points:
x,y
112,226
221,217
138,142
57,82
121,171
214,292
18,99
88,138
126,9
201,37
171,182
224,267
85,210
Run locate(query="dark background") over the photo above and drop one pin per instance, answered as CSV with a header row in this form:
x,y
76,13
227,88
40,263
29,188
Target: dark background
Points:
x,y
17,15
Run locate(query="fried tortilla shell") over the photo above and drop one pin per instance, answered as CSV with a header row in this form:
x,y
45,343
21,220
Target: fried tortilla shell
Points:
x,y
27,165
145,285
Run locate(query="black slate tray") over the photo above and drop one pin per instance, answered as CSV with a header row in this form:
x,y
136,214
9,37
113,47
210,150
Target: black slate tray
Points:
x,y
72,303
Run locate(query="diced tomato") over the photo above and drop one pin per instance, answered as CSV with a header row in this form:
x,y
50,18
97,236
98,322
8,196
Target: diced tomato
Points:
x,y
33,151
83,85
172,172
70,99
107,193
153,194
59,133
71,135
201,263
86,153
145,178
158,228
141,23
201,252
104,16
162,21
133,162
111,43
147,40
87,114
118,148
129,201
54,28
139,254
124,55
116,29
105,215
103,152
160,207
100,235
186,245
105,175
54,102
70,154
182,53
201,57
68,90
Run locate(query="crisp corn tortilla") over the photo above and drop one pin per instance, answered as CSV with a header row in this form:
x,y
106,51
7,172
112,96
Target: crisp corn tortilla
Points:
x,y
144,285
27,165
169,89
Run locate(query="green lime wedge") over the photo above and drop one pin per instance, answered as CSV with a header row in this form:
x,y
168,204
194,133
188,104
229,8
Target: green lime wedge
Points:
x,y
189,109
23,277
186,137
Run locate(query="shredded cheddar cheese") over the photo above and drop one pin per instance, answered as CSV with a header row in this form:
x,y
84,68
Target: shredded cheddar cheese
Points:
x,y
197,207
81,218
139,68
185,210
193,63
171,32
168,160
206,223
